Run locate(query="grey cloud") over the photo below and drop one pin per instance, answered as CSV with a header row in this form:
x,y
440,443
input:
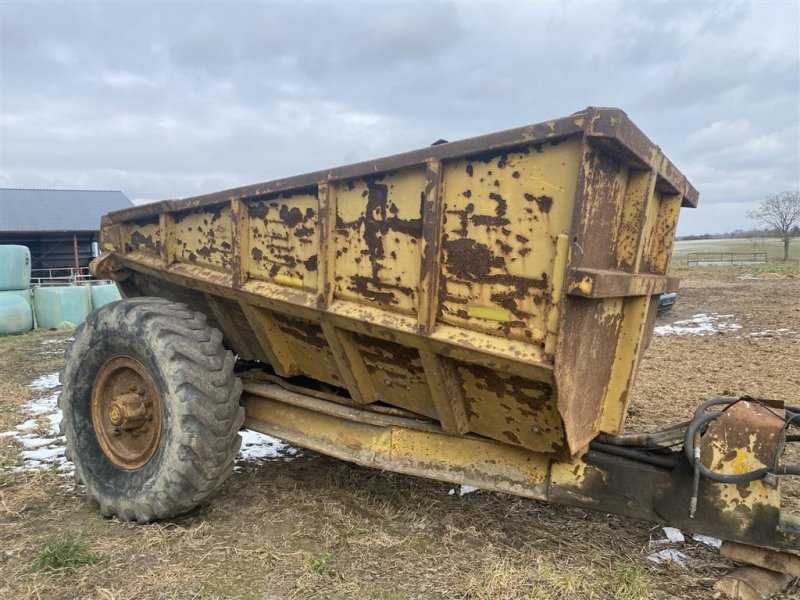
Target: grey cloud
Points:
x,y
180,99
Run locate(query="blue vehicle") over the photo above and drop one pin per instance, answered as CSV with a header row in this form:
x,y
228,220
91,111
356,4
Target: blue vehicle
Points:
x,y
666,302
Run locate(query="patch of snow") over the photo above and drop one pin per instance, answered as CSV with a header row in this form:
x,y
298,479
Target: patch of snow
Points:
x,y
707,540
45,382
669,555
673,534
42,406
34,442
773,332
24,426
43,454
55,421
461,490
700,324
48,450
676,537
259,446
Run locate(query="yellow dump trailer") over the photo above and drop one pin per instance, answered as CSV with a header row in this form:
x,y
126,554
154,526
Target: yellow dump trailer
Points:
x,y
472,311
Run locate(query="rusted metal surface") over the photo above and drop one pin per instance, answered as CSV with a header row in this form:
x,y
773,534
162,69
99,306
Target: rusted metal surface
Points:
x,y
283,240
598,481
745,437
751,583
394,443
499,285
126,412
781,562
107,266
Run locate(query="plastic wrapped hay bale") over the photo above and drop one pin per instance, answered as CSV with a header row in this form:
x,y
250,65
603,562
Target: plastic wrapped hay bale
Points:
x,y
15,267
103,294
16,315
55,305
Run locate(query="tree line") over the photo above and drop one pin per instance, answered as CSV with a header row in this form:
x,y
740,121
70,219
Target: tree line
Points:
x,y
740,234
779,212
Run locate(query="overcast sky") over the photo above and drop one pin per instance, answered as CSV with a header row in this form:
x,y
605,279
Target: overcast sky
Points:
x,y
164,100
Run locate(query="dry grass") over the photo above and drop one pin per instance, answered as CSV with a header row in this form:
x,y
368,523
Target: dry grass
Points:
x,y
316,527
320,528
23,359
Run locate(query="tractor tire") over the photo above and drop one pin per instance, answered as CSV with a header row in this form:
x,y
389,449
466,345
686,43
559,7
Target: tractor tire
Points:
x,y
151,410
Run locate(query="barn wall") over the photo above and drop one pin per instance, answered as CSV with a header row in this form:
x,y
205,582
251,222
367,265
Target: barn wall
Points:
x,y
53,250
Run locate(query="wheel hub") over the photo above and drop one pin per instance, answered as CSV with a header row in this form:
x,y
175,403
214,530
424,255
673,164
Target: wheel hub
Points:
x,y
126,412
129,411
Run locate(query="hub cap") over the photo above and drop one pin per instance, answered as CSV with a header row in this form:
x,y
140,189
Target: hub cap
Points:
x,y
126,412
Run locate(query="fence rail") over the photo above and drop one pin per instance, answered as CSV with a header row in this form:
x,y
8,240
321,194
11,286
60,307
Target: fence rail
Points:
x,y
63,276
701,259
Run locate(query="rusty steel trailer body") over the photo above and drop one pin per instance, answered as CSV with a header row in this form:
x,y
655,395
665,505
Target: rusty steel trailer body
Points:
x,y
473,311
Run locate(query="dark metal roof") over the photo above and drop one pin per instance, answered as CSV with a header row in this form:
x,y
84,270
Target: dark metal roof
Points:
x,y
57,210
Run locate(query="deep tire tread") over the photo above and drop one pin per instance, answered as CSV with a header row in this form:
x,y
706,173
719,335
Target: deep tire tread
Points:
x,y
204,401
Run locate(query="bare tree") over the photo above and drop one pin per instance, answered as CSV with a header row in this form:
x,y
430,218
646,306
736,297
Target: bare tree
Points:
x,y
781,212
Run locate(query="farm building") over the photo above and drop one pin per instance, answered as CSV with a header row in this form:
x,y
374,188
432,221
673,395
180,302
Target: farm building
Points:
x,y
60,227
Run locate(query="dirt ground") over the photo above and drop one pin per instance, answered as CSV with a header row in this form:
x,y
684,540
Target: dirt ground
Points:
x,y
315,527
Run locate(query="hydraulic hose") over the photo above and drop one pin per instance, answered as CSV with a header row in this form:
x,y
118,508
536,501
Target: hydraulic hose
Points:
x,y
653,440
699,425
667,462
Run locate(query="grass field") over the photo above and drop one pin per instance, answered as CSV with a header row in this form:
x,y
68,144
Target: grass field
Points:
x,y
772,246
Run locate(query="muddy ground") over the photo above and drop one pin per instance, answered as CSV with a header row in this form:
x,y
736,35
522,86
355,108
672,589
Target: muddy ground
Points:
x,y
315,527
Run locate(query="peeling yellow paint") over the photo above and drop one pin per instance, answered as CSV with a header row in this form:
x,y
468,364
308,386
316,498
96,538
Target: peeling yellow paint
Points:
x,y
288,280
490,313
584,285
446,276
508,212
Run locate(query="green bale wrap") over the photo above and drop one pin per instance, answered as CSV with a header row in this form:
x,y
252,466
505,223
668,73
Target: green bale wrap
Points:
x,y
55,305
15,267
16,315
26,295
103,294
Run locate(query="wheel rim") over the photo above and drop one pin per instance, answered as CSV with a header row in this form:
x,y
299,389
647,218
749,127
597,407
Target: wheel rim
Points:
x,y
126,412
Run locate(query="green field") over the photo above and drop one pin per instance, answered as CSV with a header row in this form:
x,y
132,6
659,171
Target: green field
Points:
x,y
772,246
